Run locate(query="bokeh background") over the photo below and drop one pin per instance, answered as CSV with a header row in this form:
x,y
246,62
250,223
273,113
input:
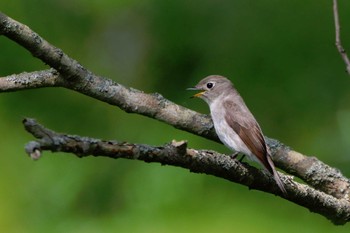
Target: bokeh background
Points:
x,y
281,57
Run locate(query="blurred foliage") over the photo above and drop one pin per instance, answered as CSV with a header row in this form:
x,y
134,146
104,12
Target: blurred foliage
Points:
x,y
281,57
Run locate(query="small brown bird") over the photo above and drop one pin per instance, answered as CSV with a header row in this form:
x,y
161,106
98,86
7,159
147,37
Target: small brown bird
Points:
x,y
234,123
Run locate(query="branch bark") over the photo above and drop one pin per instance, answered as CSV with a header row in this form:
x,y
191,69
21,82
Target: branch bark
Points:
x,y
338,43
334,187
197,161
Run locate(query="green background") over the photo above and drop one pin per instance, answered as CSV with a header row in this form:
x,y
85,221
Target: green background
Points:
x,y
281,57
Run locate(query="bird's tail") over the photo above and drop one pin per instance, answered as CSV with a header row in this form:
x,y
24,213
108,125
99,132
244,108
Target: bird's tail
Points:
x,y
277,178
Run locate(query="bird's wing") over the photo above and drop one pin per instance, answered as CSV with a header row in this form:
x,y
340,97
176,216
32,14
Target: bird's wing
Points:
x,y
240,119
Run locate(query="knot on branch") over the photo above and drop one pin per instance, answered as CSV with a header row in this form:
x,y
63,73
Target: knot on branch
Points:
x,y
33,149
179,146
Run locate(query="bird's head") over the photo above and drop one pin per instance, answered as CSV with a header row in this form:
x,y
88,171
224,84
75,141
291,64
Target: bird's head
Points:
x,y
211,87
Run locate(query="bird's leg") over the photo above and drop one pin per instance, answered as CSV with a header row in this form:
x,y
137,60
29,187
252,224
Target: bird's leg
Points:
x,y
241,159
234,156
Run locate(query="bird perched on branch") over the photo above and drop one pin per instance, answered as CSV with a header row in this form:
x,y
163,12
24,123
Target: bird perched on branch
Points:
x,y
234,124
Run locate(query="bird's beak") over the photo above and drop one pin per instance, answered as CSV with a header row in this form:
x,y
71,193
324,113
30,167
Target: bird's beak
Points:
x,y
196,89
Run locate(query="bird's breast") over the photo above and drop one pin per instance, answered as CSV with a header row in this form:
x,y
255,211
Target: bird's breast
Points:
x,y
224,131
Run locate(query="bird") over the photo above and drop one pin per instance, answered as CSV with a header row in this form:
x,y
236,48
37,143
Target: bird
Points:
x,y
234,124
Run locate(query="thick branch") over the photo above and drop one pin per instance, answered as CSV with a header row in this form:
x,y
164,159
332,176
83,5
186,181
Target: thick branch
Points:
x,y
197,161
338,43
311,170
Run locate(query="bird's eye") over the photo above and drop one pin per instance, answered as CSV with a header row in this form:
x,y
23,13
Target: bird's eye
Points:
x,y
210,85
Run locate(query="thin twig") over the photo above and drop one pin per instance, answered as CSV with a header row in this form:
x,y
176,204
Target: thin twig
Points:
x,y
31,80
338,43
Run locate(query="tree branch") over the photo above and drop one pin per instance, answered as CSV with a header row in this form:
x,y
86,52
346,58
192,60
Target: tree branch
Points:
x,y
338,43
197,161
70,74
33,80
310,169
